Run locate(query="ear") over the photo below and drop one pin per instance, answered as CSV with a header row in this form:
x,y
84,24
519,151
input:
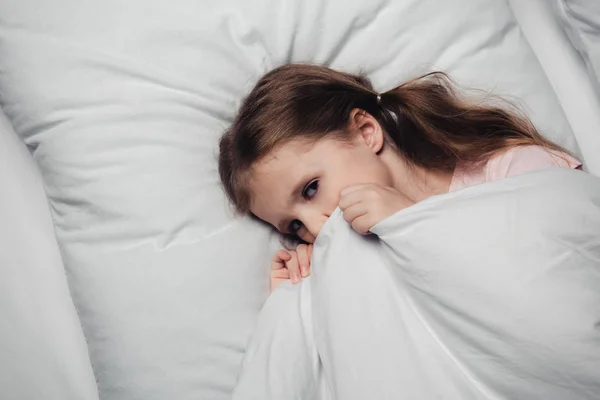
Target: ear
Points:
x,y
367,129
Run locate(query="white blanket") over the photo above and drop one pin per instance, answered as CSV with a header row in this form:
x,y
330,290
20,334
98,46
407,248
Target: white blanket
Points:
x,y
491,292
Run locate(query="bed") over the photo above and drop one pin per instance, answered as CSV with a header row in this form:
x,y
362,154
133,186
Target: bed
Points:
x,y
124,272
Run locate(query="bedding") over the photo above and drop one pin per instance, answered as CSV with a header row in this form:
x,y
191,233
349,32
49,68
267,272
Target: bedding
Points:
x,y
121,105
489,292
581,20
545,31
43,353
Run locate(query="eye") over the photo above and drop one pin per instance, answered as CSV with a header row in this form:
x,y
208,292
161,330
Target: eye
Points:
x,y
310,190
294,226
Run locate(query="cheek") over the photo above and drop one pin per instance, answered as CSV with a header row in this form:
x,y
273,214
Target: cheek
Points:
x,y
330,194
354,168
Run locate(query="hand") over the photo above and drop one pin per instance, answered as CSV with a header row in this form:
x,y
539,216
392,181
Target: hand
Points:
x,y
364,206
291,264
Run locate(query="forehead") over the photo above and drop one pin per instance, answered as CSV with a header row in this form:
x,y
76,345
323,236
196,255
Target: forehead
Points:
x,y
280,168
298,151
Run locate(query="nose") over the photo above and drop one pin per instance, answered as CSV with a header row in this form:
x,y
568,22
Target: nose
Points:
x,y
313,221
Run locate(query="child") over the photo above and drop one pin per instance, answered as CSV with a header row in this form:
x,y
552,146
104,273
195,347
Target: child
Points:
x,y
308,139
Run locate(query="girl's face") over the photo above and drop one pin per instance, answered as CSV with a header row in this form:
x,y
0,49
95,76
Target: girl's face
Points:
x,y
297,187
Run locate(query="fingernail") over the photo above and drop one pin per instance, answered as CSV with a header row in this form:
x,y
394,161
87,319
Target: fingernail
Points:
x,y
303,272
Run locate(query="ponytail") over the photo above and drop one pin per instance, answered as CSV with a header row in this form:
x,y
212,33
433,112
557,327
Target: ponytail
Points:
x,y
433,127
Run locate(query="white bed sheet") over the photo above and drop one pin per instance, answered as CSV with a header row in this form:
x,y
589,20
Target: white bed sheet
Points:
x,y
405,316
566,72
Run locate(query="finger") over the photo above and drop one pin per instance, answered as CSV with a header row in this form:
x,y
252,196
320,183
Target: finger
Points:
x,y
303,259
354,188
281,255
351,198
354,212
282,273
310,254
363,224
293,266
279,259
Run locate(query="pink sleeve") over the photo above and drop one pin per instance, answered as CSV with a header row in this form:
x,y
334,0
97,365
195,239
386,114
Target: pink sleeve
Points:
x,y
525,159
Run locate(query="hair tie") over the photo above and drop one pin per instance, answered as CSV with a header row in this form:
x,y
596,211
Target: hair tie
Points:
x,y
378,98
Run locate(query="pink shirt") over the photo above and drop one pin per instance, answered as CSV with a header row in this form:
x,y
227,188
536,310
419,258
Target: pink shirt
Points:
x,y
515,161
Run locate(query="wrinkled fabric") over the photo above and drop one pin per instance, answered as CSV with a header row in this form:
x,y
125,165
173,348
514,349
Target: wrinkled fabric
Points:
x,y
490,292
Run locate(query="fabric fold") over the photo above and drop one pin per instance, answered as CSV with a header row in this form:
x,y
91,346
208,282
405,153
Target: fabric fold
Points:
x,y
491,292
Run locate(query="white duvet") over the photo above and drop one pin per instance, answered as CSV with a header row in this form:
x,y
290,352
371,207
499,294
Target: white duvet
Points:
x,y
491,292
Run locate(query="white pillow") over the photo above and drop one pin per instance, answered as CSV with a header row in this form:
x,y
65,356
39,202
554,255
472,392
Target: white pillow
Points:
x,y
581,21
123,103
42,347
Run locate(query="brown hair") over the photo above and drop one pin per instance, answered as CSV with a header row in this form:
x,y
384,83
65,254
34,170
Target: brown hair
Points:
x,y
424,119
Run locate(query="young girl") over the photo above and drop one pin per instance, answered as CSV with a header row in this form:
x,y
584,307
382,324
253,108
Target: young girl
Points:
x,y
309,139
